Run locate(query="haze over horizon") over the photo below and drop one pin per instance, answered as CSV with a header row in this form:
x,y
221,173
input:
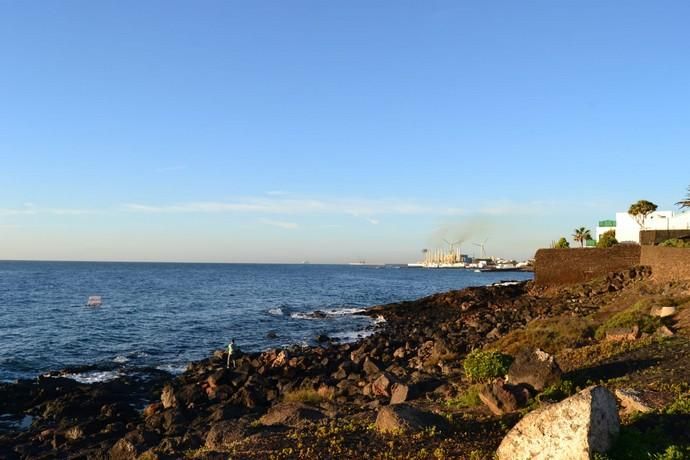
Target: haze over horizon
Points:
x,y
284,132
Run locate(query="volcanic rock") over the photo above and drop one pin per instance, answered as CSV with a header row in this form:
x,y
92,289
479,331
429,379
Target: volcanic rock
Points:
x,y
405,418
400,393
291,414
382,385
498,398
623,334
535,368
631,401
223,434
168,397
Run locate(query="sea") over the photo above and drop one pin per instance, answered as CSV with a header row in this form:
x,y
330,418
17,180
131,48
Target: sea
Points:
x,y
164,315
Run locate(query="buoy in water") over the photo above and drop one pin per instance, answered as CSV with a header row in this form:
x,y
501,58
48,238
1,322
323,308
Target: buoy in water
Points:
x,y
94,301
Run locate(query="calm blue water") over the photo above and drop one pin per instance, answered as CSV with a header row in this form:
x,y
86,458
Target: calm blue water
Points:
x,y
165,315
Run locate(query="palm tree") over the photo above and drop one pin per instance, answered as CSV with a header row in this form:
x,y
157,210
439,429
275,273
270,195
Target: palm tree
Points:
x,y
581,235
686,202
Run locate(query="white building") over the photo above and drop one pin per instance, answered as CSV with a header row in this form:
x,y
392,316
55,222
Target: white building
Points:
x,y
627,228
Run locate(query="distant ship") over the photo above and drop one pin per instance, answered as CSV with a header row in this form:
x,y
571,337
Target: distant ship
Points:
x,y
361,262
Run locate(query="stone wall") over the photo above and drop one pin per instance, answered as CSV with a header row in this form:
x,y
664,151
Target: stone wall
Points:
x,y
577,265
652,237
668,264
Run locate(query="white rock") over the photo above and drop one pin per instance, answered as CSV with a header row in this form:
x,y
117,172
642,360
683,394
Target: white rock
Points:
x,y
570,430
662,312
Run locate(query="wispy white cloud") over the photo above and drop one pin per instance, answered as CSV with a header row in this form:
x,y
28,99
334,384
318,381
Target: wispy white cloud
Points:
x,y
353,207
370,210
30,209
280,224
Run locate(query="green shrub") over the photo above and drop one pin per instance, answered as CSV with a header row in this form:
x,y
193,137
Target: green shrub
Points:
x,y
560,244
638,315
675,243
607,239
483,365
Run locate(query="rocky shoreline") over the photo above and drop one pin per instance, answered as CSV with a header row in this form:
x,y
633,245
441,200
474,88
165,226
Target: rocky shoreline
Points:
x,y
334,400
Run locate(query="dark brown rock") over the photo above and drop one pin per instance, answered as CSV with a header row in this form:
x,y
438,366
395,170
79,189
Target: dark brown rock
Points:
x,y
535,368
382,385
405,418
498,398
371,367
223,434
291,414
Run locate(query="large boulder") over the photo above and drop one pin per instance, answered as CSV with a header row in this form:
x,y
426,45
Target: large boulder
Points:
x,y
534,368
405,418
291,414
573,429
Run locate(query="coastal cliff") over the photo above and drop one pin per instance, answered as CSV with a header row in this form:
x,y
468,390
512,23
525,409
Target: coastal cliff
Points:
x,y
408,391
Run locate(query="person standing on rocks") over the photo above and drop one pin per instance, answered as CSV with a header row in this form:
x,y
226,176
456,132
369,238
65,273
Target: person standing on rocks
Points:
x,y
231,353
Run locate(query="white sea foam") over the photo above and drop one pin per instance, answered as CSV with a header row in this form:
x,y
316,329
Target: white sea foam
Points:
x,y
344,311
276,311
505,283
120,359
351,336
93,376
299,315
321,314
175,369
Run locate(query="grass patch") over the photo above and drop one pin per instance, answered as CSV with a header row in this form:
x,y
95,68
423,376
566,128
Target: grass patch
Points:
x,y
550,335
633,444
655,436
309,395
558,391
680,406
638,315
579,358
481,365
469,398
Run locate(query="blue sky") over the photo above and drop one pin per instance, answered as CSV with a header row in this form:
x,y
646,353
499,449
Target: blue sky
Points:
x,y
332,131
